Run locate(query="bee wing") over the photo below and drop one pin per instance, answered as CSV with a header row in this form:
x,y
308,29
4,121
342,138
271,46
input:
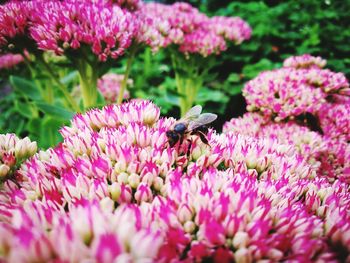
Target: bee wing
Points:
x,y
203,119
193,113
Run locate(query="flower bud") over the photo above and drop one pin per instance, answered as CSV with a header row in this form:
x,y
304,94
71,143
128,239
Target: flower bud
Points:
x,y
115,191
134,180
189,227
4,169
242,255
241,239
123,178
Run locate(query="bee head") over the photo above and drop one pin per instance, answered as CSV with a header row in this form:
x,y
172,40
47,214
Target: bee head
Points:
x,y
180,128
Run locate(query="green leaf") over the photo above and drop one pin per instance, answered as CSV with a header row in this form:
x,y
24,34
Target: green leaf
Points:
x,y
206,94
100,100
55,111
234,90
49,135
70,77
24,109
26,87
233,77
251,71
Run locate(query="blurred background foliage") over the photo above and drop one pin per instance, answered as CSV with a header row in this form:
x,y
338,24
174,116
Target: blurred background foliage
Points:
x,y
280,29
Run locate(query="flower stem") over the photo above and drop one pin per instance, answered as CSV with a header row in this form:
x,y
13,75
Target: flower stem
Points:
x,y
62,88
88,84
126,75
188,82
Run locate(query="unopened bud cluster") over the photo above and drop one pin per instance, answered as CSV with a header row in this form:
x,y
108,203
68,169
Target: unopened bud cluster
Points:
x,y
13,151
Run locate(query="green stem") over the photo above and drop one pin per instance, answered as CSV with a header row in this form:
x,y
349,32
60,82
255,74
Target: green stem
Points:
x,y
126,75
62,87
187,84
88,83
32,73
180,85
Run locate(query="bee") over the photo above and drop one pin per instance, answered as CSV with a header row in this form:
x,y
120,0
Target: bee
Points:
x,y
193,123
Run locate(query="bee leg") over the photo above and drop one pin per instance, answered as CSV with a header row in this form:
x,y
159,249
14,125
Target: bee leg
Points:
x,y
203,137
189,148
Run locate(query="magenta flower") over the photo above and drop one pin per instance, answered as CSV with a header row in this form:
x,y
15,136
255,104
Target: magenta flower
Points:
x,y
9,60
289,92
334,120
64,26
14,23
113,190
194,32
307,143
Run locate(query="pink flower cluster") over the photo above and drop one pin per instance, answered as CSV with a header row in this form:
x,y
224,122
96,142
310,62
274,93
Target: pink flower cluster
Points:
x,y
108,28
194,32
109,86
10,60
13,151
309,144
73,24
307,97
290,92
304,61
14,18
114,190
335,121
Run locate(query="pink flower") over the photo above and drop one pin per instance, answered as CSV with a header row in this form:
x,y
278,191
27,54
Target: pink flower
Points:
x,y
289,92
194,32
305,61
307,143
334,120
10,60
13,151
109,86
14,23
61,26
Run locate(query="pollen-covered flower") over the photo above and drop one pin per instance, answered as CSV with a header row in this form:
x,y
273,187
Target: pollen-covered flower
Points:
x,y
305,61
10,60
335,162
13,151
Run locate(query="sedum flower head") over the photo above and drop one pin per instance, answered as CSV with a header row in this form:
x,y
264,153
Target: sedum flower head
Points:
x,y
13,151
290,92
304,61
114,190
67,26
307,143
194,32
14,23
334,120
